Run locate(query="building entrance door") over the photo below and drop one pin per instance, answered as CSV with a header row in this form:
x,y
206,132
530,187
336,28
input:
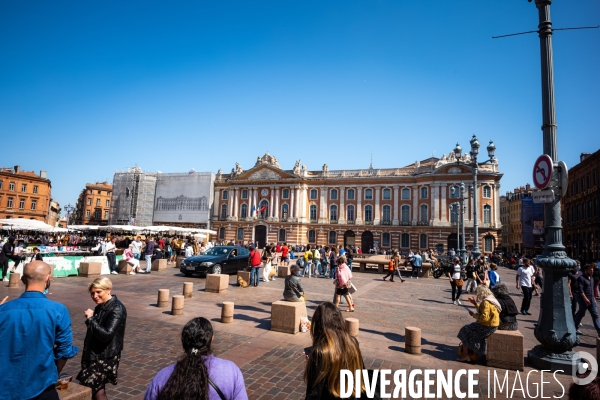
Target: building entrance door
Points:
x,y
260,235
453,242
349,238
366,241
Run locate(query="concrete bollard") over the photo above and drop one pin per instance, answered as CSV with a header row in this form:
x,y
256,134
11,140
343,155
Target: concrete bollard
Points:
x,y
188,288
163,298
413,340
227,312
177,307
352,324
14,279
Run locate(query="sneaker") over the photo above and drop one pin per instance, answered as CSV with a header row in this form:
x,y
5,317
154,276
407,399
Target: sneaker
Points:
x,y
527,312
114,273
417,277
132,273
5,279
455,303
523,312
459,303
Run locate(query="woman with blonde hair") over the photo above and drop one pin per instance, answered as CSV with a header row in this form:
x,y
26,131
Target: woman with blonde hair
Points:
x,y
474,336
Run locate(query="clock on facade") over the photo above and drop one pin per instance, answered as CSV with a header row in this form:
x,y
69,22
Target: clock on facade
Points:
x,y
264,192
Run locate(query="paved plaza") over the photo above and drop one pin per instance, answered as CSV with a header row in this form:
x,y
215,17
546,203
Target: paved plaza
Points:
x,y
272,363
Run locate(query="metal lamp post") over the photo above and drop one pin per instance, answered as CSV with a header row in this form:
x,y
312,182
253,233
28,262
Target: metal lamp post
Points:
x,y
69,209
460,218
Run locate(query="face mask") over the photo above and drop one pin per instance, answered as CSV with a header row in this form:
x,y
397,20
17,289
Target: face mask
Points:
x,y
46,288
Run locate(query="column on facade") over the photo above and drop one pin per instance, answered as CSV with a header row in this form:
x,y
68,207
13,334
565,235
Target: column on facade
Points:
x,y
272,202
342,210
435,203
496,193
304,202
276,211
359,205
396,200
230,203
254,201
236,195
217,203
444,218
415,197
323,205
377,205
292,203
297,203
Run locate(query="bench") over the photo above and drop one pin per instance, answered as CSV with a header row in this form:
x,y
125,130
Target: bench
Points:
x,y
505,350
124,267
90,269
159,265
216,283
285,316
75,392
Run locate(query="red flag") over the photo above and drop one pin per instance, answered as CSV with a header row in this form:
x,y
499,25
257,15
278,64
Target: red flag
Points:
x,y
263,208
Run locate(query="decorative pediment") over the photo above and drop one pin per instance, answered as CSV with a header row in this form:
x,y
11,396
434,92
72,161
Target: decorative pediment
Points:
x,y
264,174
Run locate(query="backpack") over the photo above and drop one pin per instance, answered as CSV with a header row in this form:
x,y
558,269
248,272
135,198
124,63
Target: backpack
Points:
x,y
310,255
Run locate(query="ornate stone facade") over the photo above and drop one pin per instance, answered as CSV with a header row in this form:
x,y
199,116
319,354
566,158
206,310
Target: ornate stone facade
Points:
x,y
406,207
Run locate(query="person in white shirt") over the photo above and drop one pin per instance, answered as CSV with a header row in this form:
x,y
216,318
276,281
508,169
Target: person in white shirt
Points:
x,y
524,274
137,248
111,247
189,251
129,257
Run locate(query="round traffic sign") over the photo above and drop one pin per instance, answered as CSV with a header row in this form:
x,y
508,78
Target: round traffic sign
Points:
x,y
542,171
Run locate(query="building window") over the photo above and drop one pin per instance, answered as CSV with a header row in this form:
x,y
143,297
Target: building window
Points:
x,y
405,213
221,233
244,211
422,241
313,194
406,194
223,210
11,186
350,212
87,213
333,194
405,240
97,214
107,203
333,215
312,236
313,212
9,202
100,192
1,185
368,213
332,237
97,202
240,234
225,195
33,204
454,192
22,204
424,217
424,193
24,188
263,208
89,201
285,210
387,194
350,194
281,236
285,194
487,214
368,194
387,213
487,192
244,193
385,239
488,244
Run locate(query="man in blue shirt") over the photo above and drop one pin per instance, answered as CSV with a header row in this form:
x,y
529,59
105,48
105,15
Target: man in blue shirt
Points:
x,y
39,338
417,262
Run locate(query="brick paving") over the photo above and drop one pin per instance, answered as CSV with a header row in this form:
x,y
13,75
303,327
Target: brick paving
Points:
x,y
272,362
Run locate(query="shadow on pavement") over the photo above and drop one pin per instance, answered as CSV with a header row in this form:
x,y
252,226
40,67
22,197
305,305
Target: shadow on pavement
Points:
x,y
262,323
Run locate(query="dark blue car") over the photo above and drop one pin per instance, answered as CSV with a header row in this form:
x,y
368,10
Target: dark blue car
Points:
x,y
217,260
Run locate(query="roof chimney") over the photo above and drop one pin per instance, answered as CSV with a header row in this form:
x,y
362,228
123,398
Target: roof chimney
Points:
x,y
17,169
43,174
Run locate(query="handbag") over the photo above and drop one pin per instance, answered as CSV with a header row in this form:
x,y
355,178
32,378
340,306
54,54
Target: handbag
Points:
x,y
352,289
459,282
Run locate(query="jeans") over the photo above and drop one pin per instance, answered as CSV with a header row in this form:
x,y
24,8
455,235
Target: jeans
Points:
x,y
456,290
148,262
324,268
574,302
317,267
350,264
112,261
332,271
307,268
137,256
417,270
470,282
592,308
527,294
254,275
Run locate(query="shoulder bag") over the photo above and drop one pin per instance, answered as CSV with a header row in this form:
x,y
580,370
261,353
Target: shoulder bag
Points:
x,y
221,395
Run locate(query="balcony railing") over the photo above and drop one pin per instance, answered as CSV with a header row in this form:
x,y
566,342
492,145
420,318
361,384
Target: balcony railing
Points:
x,y
351,222
313,221
405,223
368,222
388,222
423,223
222,218
333,221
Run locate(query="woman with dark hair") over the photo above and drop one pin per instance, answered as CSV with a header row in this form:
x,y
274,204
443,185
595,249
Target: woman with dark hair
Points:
x,y
198,374
342,282
590,391
333,349
508,315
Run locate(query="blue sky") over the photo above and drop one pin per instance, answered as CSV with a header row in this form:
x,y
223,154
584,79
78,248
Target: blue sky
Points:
x,y
90,87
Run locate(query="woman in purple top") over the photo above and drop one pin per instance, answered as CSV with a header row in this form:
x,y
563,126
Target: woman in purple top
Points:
x,y
198,374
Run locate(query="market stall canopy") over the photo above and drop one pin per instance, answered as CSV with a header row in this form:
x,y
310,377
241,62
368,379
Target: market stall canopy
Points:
x,y
124,228
83,227
26,224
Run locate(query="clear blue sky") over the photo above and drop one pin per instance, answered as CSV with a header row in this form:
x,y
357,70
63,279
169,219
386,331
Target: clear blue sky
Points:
x,y
90,87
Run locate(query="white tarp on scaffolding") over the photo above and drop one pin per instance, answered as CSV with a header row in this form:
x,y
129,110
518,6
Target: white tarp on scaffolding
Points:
x,y
183,198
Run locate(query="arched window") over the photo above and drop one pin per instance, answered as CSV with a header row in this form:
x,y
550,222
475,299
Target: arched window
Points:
x,y
405,240
351,194
263,209
487,214
385,239
368,213
281,236
333,212
387,194
424,217
313,212
333,194
223,210
387,213
406,194
332,237
285,194
312,236
454,192
422,241
285,209
488,244
350,213
405,213
368,194
487,192
244,211
424,193
221,233
240,234
314,194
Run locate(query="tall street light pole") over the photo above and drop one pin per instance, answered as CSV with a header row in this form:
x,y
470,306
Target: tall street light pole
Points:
x,y
555,329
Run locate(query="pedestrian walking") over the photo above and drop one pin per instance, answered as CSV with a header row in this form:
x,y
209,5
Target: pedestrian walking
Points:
x,y
343,282
524,274
493,275
587,301
417,262
254,262
111,248
470,269
456,282
574,293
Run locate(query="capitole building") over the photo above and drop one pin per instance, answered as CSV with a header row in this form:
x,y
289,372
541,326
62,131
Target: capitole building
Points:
x,y
401,208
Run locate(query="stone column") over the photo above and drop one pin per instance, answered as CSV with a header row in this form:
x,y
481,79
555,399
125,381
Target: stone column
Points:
x,y
323,206
292,201
236,194
377,206
217,203
276,214
435,203
414,193
359,205
496,194
272,202
296,205
254,201
229,203
303,202
443,188
396,200
342,209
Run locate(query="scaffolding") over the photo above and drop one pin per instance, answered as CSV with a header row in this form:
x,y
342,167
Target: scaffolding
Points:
x,y
132,197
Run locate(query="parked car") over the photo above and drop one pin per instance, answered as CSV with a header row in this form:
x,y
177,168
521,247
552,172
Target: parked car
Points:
x,y
217,260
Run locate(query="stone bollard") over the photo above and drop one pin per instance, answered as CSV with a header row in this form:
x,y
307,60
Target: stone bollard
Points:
x,y
352,324
177,307
14,280
163,298
413,340
188,287
227,312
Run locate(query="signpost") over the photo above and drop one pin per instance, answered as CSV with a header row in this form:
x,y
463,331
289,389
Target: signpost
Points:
x,y
542,171
543,196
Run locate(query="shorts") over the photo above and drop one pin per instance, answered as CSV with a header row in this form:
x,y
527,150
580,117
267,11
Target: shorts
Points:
x,y
341,291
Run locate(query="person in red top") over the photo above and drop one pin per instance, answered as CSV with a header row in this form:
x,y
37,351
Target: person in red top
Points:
x,y
161,243
278,248
254,262
285,254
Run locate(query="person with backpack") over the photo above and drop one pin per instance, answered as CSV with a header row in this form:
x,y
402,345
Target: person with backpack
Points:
x,y
324,261
333,261
392,266
316,261
308,257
